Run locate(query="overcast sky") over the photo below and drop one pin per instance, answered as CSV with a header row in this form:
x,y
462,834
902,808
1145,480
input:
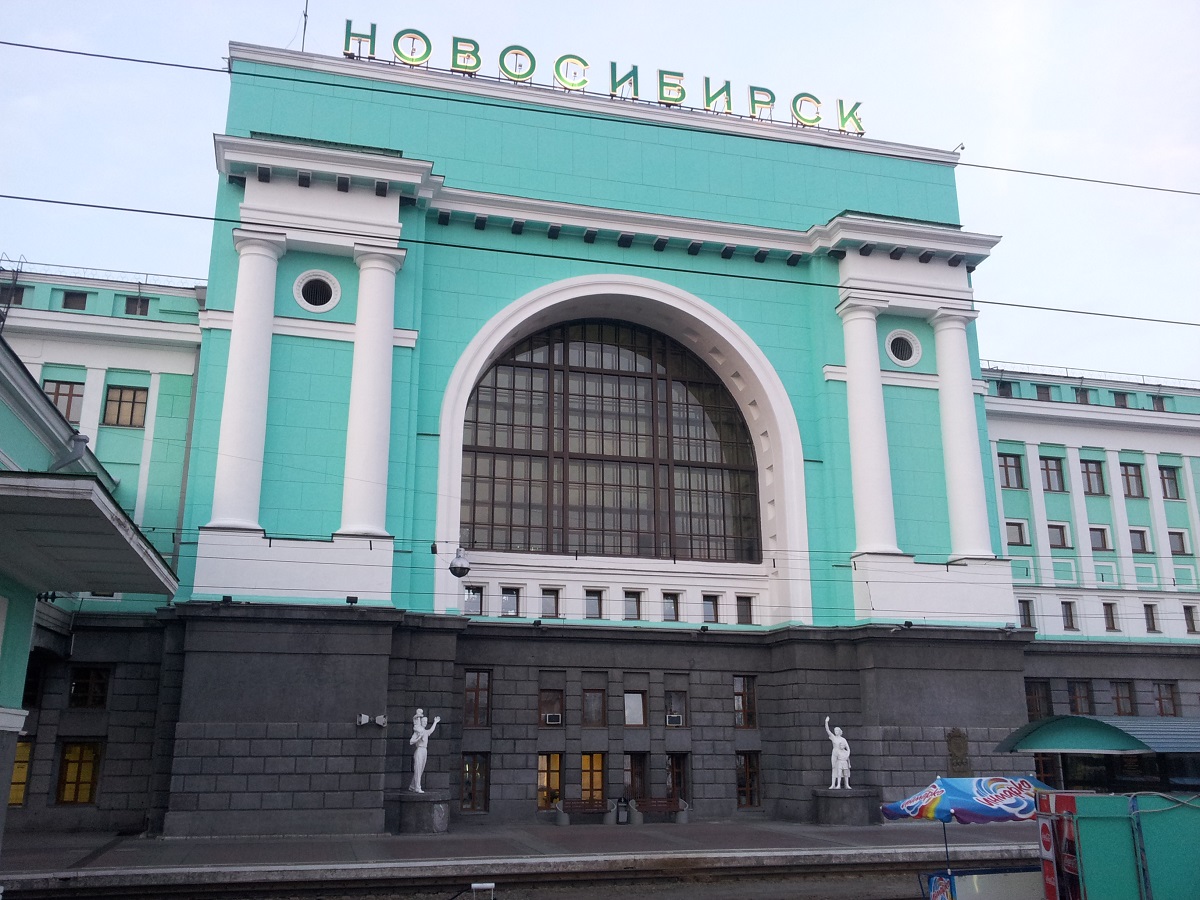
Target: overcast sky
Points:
x,y
1095,90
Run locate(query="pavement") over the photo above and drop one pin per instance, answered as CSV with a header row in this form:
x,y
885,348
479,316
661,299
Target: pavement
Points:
x,y
523,854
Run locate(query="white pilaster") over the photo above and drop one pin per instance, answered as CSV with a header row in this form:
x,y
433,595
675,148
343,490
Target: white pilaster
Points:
x,y
870,466
969,532
238,483
369,426
1120,517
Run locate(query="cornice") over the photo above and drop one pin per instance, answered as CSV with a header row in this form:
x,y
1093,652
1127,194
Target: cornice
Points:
x,y
901,379
44,323
222,320
1089,415
598,103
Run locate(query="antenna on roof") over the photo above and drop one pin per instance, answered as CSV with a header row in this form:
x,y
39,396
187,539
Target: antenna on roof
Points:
x,y
304,33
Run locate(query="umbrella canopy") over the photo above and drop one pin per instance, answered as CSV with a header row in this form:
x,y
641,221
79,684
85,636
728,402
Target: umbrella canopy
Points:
x,y
970,800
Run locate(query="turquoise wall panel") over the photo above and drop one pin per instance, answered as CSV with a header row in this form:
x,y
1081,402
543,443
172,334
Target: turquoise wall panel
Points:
x,y
305,453
14,642
161,508
120,450
918,470
20,445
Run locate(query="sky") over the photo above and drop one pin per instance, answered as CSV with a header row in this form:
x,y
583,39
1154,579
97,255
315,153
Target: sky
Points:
x,y
1108,91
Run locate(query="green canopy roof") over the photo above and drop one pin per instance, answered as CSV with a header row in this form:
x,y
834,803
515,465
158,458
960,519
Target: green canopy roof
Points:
x,y
1094,735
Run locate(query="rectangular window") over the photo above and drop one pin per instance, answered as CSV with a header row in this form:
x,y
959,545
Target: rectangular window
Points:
x,y
1124,700
1083,395
744,712
677,776
78,772
1190,619
670,611
592,776
595,707
1068,616
1011,475
747,780
473,601
12,295
1043,391
549,779
637,781
1025,612
67,396
74,300
1037,699
20,774
635,709
476,774
1131,480
1166,698
1159,404
633,605
593,604
1169,476
89,688
1120,400
1178,541
1093,476
676,703
477,701
1014,533
1058,536
1079,697
125,406
1004,388
510,601
710,602
745,611
1150,611
1099,538
550,708
137,306
1052,474
549,603
1139,540
1111,622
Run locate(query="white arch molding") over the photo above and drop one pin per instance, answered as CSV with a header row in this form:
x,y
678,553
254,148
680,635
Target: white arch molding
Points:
x,y
780,583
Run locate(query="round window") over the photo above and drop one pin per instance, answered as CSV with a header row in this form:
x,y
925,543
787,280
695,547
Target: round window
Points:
x,y
903,348
317,291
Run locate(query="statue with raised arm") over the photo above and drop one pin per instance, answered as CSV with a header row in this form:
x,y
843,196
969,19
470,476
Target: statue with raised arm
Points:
x,y
420,739
840,758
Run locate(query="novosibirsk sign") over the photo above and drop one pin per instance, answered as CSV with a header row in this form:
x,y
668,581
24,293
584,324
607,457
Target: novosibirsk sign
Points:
x,y
570,71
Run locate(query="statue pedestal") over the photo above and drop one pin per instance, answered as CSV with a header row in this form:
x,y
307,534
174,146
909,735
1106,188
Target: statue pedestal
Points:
x,y
427,813
848,806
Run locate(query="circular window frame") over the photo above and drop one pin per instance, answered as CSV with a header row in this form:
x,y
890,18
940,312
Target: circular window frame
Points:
x,y
913,341
313,275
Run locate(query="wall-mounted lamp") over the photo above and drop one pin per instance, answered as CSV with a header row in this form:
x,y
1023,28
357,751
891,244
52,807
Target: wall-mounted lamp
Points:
x,y
226,599
903,627
537,623
460,565
350,601
704,628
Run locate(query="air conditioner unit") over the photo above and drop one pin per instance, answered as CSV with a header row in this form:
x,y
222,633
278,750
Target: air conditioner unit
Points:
x,y
674,719
553,718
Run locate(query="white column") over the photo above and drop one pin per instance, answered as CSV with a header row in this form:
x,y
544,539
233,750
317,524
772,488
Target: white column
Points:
x,y
369,426
870,466
1120,518
1159,530
238,482
969,532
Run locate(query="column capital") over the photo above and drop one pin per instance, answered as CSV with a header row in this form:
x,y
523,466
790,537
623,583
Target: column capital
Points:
x,y
857,307
948,317
273,242
387,257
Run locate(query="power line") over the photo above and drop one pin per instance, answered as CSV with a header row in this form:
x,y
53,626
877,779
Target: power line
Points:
x,y
612,262
579,114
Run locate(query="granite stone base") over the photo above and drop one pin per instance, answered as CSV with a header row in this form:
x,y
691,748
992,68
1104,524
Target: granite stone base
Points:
x,y
848,806
427,813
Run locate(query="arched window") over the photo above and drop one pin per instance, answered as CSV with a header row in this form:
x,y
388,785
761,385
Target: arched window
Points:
x,y
605,438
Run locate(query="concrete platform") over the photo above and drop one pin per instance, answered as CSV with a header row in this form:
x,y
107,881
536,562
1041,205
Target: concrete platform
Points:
x,y
511,855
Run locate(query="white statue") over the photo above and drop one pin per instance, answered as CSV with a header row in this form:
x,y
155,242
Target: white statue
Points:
x,y
840,758
420,738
